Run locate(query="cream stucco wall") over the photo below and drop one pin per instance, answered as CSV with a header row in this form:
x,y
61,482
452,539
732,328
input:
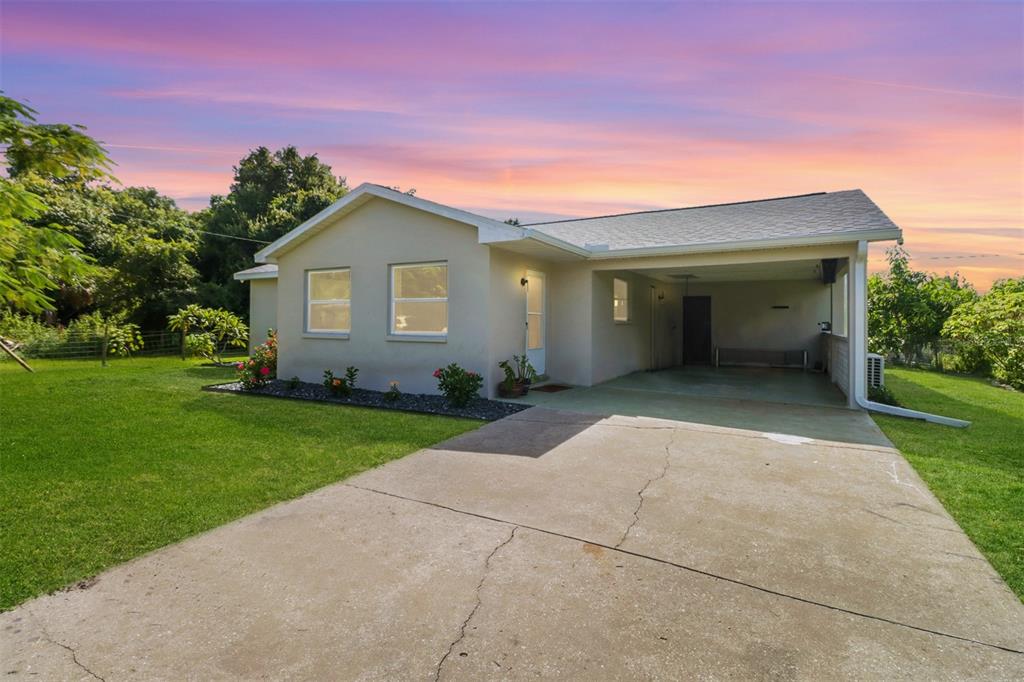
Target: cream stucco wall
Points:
x,y
623,347
487,305
742,315
262,310
367,240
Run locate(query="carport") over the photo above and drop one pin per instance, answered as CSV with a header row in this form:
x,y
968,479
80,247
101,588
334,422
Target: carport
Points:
x,y
716,327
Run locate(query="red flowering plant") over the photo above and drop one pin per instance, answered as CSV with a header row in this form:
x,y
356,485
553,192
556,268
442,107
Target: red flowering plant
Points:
x,y
459,385
261,367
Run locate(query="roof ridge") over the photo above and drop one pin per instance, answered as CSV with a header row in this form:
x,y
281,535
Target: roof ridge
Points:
x,y
681,208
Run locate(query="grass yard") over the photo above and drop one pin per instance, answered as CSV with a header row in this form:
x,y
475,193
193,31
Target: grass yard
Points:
x,y
102,465
978,472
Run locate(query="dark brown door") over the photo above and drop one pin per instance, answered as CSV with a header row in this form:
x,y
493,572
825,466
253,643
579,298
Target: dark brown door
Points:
x,y
696,330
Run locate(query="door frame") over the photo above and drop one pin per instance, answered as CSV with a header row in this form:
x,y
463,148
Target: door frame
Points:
x,y
533,354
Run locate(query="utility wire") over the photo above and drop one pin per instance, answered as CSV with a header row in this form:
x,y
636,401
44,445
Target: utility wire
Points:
x,y
231,236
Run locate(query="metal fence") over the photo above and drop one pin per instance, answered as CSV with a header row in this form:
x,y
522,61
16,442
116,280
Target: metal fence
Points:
x,y
153,343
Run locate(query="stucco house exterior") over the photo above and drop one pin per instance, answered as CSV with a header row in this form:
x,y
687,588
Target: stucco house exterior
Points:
x,y
398,286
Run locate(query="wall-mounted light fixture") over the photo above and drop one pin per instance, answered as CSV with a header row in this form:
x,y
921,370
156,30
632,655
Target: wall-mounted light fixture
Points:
x,y
523,281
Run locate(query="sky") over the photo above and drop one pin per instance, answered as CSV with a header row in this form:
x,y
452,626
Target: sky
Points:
x,y
547,110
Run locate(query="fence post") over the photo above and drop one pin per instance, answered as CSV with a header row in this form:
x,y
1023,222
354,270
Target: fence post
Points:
x,y
182,334
106,339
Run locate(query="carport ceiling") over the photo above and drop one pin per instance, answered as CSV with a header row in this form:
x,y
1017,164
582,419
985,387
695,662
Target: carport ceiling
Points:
x,y
742,272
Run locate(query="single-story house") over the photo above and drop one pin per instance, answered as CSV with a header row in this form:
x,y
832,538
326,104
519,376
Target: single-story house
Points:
x,y
398,286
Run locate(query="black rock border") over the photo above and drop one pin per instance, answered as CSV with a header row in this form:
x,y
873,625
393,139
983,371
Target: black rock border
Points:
x,y
420,403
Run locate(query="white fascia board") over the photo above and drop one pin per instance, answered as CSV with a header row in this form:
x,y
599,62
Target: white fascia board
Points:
x,y
547,239
483,224
749,245
245,275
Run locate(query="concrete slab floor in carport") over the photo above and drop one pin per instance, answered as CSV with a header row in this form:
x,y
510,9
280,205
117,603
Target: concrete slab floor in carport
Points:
x,y
559,545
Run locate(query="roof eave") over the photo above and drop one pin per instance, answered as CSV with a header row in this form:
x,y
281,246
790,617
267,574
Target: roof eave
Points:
x,y
750,245
245,276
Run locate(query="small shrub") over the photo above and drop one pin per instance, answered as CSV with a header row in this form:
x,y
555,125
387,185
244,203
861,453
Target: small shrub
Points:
x,y
392,395
458,385
881,394
261,367
294,383
341,386
83,336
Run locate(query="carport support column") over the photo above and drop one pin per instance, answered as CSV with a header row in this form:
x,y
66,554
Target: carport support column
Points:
x,y
857,324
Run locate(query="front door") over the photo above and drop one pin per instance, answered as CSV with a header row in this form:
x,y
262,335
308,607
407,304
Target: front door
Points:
x,y
536,319
696,330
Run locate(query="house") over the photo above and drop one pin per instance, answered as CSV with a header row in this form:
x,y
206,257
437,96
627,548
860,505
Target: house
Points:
x,y
398,286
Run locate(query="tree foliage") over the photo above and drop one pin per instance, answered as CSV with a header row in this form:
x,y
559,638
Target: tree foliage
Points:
x,y
209,332
989,331
907,308
39,256
272,193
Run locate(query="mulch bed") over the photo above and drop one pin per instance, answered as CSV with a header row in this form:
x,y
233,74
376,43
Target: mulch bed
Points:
x,y
481,408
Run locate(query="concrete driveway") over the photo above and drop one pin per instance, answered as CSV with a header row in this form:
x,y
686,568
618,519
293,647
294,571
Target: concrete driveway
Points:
x,y
564,545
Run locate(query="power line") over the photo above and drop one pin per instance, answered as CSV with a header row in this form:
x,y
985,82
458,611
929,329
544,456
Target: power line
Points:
x,y
231,237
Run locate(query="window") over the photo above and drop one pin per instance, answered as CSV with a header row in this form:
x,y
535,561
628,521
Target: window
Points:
x,y
620,300
419,299
328,301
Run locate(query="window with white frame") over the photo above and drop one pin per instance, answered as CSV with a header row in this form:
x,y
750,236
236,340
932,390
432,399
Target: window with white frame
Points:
x,y
620,300
329,301
419,299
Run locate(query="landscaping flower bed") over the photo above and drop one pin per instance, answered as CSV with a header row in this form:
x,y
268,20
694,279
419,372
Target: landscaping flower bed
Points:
x,y
477,408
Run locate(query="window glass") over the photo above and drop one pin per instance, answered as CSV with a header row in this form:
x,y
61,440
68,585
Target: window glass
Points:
x,y
620,300
419,299
328,302
330,284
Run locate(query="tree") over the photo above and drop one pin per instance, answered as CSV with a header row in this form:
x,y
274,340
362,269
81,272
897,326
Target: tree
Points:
x,y
209,332
990,331
36,258
272,193
907,308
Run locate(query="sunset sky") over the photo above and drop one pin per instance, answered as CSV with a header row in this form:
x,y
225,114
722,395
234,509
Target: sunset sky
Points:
x,y
547,110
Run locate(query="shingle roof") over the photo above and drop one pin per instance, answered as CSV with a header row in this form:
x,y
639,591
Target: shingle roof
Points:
x,y
828,214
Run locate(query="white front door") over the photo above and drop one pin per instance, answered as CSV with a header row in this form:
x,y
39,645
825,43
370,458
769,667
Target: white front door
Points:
x,y
536,319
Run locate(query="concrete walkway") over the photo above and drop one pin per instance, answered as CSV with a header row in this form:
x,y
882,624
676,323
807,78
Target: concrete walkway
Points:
x,y
563,545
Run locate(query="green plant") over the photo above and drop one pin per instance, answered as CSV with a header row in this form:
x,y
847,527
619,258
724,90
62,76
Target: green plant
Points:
x,y
294,383
261,367
84,333
881,394
392,395
341,386
458,385
222,330
519,371
989,332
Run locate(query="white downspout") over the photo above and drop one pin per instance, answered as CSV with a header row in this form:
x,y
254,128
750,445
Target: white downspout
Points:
x,y
858,339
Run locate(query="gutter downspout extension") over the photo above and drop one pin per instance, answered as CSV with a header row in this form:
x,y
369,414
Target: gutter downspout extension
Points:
x,y
859,352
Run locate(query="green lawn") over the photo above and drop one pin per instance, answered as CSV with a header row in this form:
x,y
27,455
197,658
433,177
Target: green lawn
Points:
x,y
101,465
977,472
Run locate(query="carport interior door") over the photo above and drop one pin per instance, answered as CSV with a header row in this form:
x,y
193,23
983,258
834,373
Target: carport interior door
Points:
x,y
536,319
696,330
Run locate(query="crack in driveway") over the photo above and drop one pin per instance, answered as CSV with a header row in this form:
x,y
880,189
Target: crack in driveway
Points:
x,y
70,650
465,623
698,571
640,493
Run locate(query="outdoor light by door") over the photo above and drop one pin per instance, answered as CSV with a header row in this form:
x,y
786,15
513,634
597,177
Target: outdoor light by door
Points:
x,y
523,281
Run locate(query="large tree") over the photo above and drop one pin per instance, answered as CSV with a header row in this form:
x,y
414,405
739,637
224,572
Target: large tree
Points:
x,y
37,257
272,193
907,308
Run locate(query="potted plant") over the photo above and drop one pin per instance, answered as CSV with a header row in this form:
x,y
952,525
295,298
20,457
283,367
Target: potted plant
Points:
x,y
519,373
